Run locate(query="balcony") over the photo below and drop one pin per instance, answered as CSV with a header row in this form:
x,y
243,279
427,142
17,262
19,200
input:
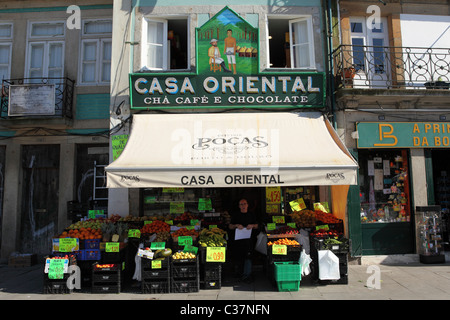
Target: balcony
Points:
x,y
371,67
37,98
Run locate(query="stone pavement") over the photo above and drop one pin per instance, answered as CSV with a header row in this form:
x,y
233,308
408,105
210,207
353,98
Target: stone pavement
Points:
x,y
399,280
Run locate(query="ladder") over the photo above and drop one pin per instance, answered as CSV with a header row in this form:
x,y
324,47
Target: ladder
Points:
x,y
99,173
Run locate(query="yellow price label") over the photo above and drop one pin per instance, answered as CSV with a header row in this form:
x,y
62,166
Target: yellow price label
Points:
x,y
156,264
215,254
280,249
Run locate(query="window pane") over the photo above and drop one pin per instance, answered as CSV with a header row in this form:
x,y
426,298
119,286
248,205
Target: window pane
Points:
x,y
356,27
47,29
37,56
300,32
155,57
5,31
358,53
155,32
4,54
55,73
107,50
4,72
90,51
106,72
56,55
98,27
378,55
301,56
88,72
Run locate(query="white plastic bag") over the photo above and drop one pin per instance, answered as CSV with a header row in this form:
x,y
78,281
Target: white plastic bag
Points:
x,y
328,265
137,270
261,243
304,262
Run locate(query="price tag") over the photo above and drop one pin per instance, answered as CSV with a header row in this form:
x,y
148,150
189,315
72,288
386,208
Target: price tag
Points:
x,y
134,233
278,219
204,204
184,240
156,264
148,222
271,226
190,227
292,225
280,249
194,222
56,268
212,226
169,222
324,227
176,207
322,206
112,247
297,205
273,194
157,245
67,244
215,254
189,248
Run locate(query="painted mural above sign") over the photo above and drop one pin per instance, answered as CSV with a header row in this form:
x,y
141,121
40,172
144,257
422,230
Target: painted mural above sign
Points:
x,y
227,75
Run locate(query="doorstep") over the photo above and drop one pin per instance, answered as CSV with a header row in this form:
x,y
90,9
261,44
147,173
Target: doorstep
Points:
x,y
390,259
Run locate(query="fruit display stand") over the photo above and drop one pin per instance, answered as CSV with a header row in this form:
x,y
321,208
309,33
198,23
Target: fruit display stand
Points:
x,y
334,241
56,273
155,269
185,277
106,278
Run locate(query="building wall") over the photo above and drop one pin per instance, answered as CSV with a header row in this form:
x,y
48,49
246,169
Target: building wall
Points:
x,y
90,115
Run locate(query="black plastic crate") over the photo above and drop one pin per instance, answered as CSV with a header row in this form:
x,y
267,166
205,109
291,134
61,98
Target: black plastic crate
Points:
x,y
155,274
293,254
147,264
184,286
321,244
211,271
212,284
106,276
105,287
185,271
162,286
56,286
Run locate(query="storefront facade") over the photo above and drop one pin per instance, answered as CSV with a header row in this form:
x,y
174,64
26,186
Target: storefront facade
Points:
x,y
258,120
392,116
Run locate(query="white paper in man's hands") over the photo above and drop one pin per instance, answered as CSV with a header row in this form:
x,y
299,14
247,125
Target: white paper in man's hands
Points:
x,y
243,233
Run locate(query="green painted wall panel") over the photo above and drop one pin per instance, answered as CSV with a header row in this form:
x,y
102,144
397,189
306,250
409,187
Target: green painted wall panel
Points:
x,y
92,106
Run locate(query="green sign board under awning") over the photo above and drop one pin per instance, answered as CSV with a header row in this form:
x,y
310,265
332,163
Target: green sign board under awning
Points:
x,y
403,134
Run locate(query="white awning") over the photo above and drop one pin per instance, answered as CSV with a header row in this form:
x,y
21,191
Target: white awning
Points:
x,y
232,150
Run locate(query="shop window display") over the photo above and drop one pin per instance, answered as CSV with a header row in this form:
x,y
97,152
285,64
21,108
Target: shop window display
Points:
x,y
384,186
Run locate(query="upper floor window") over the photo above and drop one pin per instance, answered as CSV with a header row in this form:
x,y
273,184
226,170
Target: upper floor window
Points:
x,y
45,50
5,50
291,43
165,44
96,47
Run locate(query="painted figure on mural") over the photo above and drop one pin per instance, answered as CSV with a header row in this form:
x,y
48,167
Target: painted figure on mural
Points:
x,y
215,59
230,50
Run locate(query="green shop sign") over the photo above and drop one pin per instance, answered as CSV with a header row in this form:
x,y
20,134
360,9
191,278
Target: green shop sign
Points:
x,y
227,75
403,134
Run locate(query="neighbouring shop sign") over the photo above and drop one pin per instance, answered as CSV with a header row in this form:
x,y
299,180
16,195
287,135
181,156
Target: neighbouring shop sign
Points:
x,y
403,134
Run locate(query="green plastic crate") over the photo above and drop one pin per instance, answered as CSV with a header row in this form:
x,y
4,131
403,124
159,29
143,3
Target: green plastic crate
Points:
x,y
288,271
288,285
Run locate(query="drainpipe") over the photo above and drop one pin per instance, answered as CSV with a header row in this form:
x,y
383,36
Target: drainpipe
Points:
x,y
330,59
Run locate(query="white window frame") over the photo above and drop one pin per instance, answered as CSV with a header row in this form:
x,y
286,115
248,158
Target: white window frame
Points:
x,y
46,41
99,39
7,42
165,42
292,20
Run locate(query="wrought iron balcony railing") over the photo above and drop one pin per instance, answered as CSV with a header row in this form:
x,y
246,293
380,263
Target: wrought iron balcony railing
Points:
x,y
63,97
391,67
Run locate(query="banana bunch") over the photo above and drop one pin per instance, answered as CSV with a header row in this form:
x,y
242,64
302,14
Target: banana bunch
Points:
x,y
212,238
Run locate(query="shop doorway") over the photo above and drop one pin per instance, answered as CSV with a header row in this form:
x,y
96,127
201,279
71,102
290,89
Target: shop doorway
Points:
x,y
40,186
441,184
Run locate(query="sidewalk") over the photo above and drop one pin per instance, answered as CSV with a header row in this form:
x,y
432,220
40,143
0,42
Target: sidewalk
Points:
x,y
398,281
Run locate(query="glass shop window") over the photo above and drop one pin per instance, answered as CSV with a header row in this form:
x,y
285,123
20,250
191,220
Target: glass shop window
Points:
x,y
384,186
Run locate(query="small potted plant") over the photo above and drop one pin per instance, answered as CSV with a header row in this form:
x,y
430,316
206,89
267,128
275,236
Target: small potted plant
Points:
x,y
439,84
